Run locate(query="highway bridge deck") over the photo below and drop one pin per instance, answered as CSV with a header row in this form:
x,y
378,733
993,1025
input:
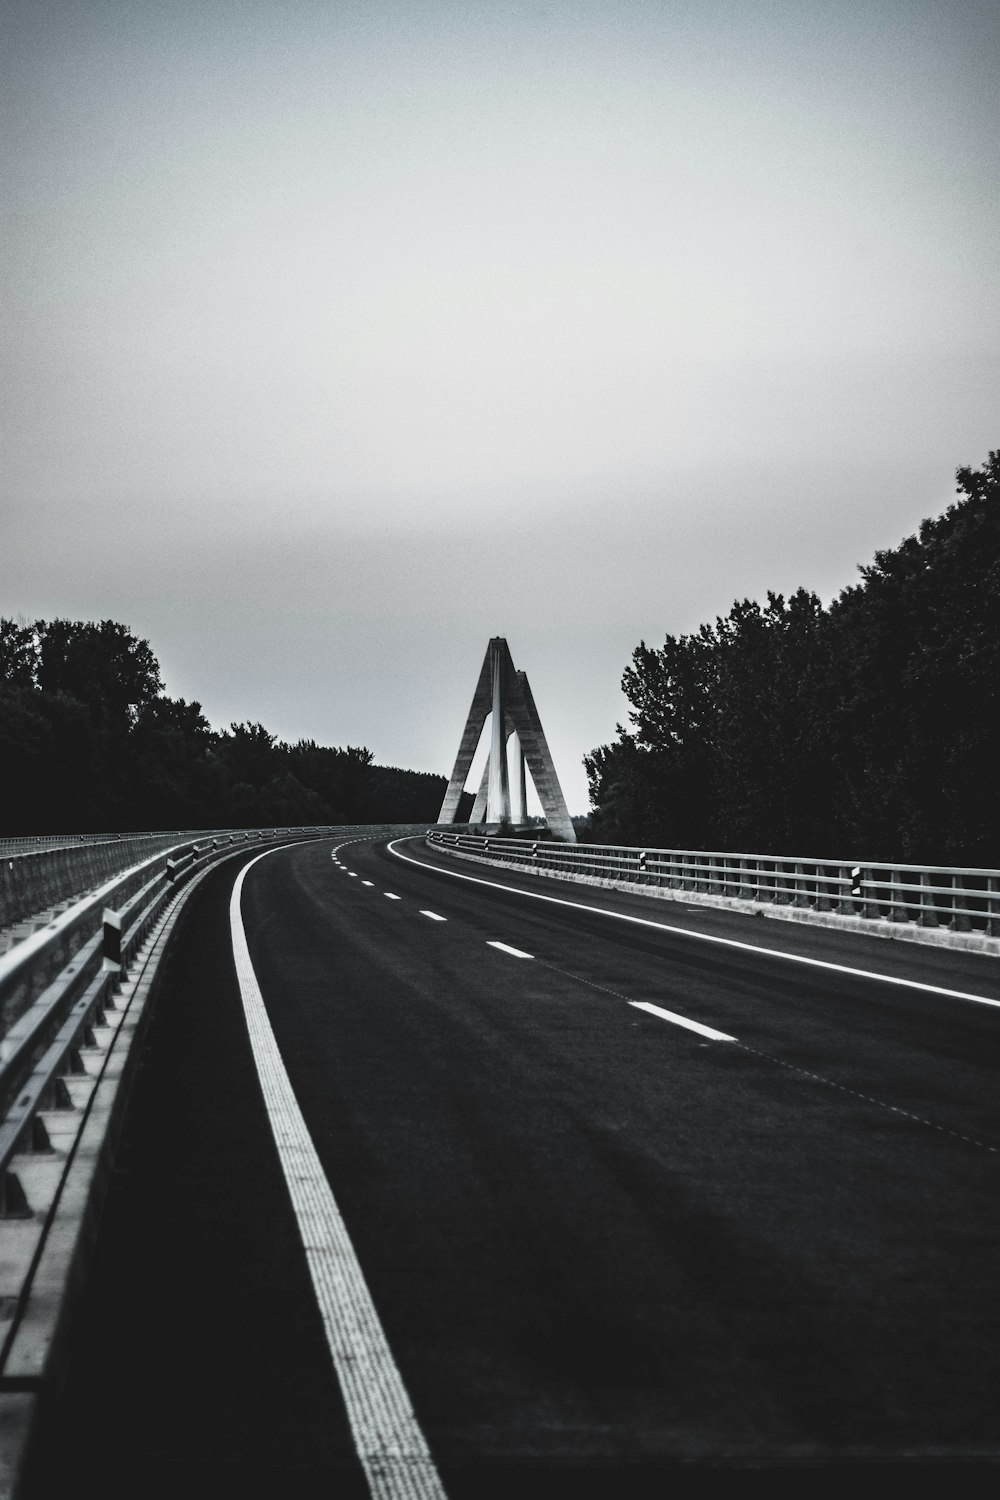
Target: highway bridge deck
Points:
x,y
605,1247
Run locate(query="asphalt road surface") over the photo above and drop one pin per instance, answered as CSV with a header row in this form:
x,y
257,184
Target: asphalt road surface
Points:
x,y
604,1253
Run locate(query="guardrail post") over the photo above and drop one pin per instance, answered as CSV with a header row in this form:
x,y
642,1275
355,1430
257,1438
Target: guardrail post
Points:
x,y
928,915
959,920
860,877
112,945
897,902
13,1203
871,905
993,907
801,897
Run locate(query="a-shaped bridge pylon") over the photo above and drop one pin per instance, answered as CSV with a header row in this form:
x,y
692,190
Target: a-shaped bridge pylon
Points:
x,y
504,692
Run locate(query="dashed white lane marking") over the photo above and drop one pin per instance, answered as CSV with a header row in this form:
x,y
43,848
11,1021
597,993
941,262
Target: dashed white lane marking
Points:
x,y
367,882
433,916
670,1015
389,1443
791,1067
514,952
353,874
702,937
391,896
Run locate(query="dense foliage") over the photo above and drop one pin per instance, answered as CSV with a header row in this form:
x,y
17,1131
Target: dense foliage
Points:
x,y
867,729
90,742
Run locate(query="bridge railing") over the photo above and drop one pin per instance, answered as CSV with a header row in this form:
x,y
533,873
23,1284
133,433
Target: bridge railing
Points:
x,y
964,899
57,983
36,875
85,949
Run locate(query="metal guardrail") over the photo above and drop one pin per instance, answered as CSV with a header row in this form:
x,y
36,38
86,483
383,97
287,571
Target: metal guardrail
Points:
x,y
28,843
57,983
960,898
35,879
57,986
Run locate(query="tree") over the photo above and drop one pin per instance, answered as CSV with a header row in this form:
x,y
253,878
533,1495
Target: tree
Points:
x,y
18,654
871,728
101,665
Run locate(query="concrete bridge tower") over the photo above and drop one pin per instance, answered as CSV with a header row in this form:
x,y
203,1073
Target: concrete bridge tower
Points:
x,y
504,692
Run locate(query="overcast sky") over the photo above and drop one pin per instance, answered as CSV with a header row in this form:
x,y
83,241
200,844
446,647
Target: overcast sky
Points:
x,y
338,338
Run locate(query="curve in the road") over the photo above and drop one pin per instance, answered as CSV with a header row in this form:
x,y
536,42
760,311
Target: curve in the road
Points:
x,y
706,937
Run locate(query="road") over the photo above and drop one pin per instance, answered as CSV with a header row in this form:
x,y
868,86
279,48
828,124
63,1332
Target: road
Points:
x,y
601,1248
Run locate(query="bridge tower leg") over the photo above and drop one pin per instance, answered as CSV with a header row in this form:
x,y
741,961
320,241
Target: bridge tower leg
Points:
x,y
478,813
482,700
498,797
519,790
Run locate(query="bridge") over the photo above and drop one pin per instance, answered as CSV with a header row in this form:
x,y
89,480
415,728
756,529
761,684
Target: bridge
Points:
x,y
422,1161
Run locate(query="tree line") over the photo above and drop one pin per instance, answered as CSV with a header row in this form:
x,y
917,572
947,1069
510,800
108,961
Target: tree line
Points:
x,y
870,728
89,741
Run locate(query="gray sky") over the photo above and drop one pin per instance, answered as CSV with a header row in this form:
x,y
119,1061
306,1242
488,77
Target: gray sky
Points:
x,y
341,337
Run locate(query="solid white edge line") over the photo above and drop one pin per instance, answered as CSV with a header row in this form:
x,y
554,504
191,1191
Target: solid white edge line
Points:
x,y
701,937
506,948
670,1015
389,1443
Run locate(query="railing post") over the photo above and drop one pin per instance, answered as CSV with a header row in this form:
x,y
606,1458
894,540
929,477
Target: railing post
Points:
x,y
861,877
928,916
993,907
821,895
112,942
897,903
870,904
959,920
800,898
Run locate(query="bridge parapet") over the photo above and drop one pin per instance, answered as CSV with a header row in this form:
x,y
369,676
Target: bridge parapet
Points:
x,y
36,875
957,905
